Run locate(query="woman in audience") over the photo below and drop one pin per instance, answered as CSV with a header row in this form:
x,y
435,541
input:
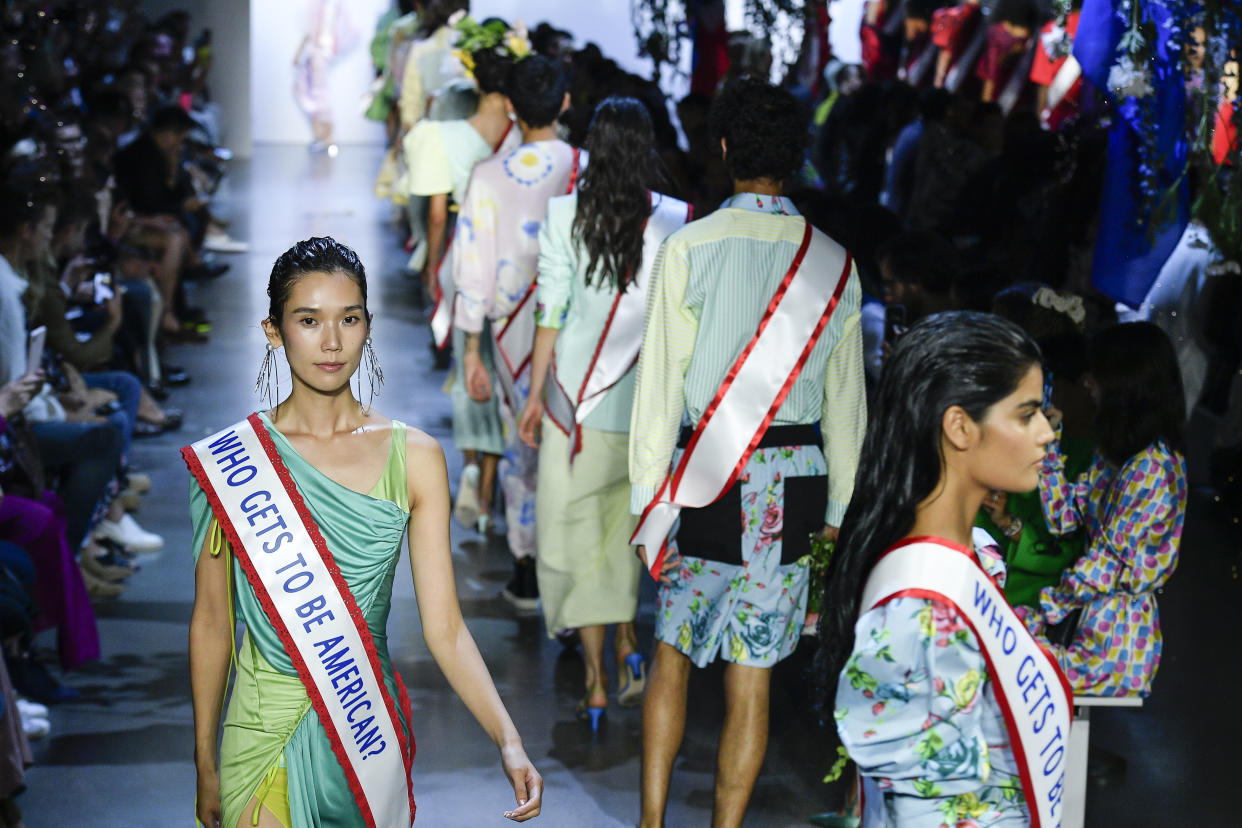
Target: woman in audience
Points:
x,y
596,249
957,415
1131,502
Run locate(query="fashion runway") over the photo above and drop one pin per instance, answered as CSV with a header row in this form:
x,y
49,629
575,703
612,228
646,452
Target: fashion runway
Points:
x,y
121,756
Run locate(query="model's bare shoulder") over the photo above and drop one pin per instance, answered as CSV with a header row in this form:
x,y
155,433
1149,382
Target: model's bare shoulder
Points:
x,y
426,473
421,444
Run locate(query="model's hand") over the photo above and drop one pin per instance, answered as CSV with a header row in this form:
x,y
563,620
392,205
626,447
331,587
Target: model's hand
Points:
x,y
528,428
526,781
478,381
994,505
15,395
830,533
207,808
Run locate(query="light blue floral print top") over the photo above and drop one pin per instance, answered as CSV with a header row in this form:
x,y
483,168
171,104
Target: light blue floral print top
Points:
x,y
917,712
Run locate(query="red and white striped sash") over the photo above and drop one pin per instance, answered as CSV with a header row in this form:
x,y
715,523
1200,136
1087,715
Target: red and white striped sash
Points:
x,y
1030,687
616,351
753,391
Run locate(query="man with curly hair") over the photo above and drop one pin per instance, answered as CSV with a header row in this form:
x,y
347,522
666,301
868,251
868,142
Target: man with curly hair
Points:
x,y
734,573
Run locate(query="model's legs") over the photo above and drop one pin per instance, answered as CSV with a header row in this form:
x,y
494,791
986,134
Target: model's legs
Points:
x,y
487,480
593,654
664,725
266,819
743,741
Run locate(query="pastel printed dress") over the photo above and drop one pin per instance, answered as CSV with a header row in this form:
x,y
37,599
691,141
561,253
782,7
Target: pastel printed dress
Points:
x,y
917,712
1133,518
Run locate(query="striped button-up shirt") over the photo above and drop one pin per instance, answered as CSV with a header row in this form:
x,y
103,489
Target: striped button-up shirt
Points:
x,y
712,281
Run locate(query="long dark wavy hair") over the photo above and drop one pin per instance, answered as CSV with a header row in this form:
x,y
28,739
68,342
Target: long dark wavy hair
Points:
x,y
613,202
961,358
1141,398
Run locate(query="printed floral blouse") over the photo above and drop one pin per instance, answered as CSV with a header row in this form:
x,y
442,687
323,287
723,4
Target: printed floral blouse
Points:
x,y
1133,517
917,712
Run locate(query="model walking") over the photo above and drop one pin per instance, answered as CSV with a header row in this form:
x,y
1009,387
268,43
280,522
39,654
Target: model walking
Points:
x,y
298,516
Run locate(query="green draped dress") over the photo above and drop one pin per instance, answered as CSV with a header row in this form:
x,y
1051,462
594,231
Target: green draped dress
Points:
x,y
271,732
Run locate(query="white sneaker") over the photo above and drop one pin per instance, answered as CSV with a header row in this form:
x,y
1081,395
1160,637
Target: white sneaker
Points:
x,y
467,510
28,708
35,727
129,534
221,242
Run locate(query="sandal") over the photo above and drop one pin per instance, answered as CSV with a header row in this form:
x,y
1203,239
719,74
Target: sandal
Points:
x,y
632,681
587,712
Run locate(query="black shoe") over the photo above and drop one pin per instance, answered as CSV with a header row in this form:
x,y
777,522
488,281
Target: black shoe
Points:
x,y
32,680
523,590
202,272
158,391
441,358
177,377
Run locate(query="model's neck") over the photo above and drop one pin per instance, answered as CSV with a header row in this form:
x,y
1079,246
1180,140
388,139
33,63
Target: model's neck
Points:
x,y
492,114
950,511
762,186
320,414
543,133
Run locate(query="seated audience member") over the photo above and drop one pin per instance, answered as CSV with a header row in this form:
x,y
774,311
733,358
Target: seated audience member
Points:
x,y
1009,33
1131,502
917,270
1034,556
170,216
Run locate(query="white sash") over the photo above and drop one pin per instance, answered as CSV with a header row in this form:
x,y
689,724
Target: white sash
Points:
x,y
1030,687
753,390
618,345
446,296
1064,82
288,564
514,341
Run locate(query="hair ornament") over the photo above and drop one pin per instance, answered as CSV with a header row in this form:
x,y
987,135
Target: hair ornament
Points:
x,y
1068,304
475,37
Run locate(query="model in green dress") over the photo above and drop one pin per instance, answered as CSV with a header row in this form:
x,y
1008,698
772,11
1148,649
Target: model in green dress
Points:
x,y
364,479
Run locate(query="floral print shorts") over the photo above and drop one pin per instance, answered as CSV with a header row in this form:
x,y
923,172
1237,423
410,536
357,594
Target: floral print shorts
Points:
x,y
740,592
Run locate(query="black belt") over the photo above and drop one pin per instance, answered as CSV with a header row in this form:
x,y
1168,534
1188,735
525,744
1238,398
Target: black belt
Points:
x,y
806,434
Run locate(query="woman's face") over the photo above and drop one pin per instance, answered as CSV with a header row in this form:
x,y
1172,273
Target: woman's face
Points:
x,y
323,329
1013,439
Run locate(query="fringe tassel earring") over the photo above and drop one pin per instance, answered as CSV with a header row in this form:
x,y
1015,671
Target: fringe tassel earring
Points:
x,y
269,379
375,375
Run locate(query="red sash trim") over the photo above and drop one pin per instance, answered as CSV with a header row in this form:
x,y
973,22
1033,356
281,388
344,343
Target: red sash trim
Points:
x,y
321,546
674,479
1028,790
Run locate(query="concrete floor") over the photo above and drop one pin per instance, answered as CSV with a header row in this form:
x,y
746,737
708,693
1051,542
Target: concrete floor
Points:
x,y
122,755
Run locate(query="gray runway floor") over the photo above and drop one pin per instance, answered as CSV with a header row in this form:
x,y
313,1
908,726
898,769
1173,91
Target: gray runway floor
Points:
x,y
121,756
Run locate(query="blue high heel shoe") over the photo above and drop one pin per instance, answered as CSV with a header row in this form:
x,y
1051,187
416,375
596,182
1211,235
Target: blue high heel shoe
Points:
x,y
633,681
593,715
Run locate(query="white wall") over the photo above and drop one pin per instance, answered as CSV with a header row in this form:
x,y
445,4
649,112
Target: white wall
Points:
x,y
276,29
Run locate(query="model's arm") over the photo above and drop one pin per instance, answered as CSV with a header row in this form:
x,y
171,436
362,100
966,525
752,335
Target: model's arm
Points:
x,y
437,221
552,289
211,645
445,631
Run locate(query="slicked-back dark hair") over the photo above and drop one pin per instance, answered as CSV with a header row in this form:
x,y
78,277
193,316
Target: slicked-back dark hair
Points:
x,y
318,254
764,128
613,195
959,358
537,89
1141,398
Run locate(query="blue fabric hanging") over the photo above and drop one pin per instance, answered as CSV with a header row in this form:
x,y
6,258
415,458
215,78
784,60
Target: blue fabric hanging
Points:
x,y
1128,255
